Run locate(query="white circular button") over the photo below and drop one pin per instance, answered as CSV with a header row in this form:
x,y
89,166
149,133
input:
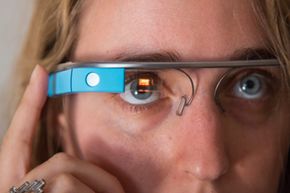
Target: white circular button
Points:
x,y
93,79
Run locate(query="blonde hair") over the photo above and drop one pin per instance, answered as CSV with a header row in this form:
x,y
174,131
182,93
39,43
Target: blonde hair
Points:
x,y
274,17
51,36
53,32
50,40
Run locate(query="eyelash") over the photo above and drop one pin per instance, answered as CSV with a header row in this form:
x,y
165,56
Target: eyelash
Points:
x,y
269,78
142,108
134,76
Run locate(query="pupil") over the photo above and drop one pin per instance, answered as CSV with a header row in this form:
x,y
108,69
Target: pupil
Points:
x,y
251,85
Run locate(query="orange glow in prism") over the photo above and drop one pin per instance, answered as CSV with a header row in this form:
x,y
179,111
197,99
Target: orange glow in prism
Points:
x,y
144,82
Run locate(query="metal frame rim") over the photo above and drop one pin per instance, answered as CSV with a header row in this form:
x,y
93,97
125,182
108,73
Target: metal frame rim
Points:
x,y
164,65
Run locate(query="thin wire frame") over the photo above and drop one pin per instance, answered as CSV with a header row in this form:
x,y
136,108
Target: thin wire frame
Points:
x,y
164,65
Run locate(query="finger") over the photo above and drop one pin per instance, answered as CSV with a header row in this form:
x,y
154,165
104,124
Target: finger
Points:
x,y
17,143
66,183
94,177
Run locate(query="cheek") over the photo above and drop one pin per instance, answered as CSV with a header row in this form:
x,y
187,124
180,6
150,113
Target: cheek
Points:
x,y
259,155
144,158
104,139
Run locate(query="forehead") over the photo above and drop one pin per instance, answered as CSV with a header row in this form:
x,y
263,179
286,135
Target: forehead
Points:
x,y
203,29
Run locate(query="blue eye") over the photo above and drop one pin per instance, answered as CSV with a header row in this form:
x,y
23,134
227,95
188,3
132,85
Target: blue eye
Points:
x,y
250,87
141,90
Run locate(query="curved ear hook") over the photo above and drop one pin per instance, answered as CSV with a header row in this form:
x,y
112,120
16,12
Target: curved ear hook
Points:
x,y
185,101
217,89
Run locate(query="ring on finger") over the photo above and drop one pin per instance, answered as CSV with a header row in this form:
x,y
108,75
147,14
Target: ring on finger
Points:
x,y
34,187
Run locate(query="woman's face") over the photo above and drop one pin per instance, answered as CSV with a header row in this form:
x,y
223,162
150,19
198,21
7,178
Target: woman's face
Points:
x,y
202,151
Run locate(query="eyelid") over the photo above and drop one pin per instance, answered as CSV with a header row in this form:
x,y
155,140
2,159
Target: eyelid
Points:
x,y
130,76
269,77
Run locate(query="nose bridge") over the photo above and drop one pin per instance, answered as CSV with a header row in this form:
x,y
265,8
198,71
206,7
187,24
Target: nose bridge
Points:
x,y
203,149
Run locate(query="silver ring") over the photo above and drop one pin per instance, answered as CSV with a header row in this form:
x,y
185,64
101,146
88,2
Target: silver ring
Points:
x,y
34,187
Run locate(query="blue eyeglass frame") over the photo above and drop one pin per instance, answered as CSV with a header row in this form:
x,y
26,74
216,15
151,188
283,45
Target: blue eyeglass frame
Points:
x,y
109,77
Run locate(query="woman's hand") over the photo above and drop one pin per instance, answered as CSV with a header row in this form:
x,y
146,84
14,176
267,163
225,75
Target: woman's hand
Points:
x,y
62,173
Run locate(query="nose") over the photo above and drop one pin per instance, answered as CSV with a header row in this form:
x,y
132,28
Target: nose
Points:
x,y
203,152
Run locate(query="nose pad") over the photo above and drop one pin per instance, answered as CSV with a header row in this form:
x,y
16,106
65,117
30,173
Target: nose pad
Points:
x,y
185,100
182,105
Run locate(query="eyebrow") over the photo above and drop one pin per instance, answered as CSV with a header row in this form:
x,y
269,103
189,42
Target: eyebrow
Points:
x,y
161,56
252,54
174,56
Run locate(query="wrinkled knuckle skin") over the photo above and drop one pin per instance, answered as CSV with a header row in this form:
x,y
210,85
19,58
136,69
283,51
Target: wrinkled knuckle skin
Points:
x,y
65,180
61,158
65,183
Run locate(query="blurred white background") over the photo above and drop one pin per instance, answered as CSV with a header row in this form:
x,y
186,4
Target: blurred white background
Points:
x,y
14,22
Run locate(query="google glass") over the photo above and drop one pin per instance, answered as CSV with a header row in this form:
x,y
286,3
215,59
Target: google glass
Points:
x,y
142,83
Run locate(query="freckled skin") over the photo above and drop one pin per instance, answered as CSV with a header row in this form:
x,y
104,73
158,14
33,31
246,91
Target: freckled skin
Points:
x,y
202,151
